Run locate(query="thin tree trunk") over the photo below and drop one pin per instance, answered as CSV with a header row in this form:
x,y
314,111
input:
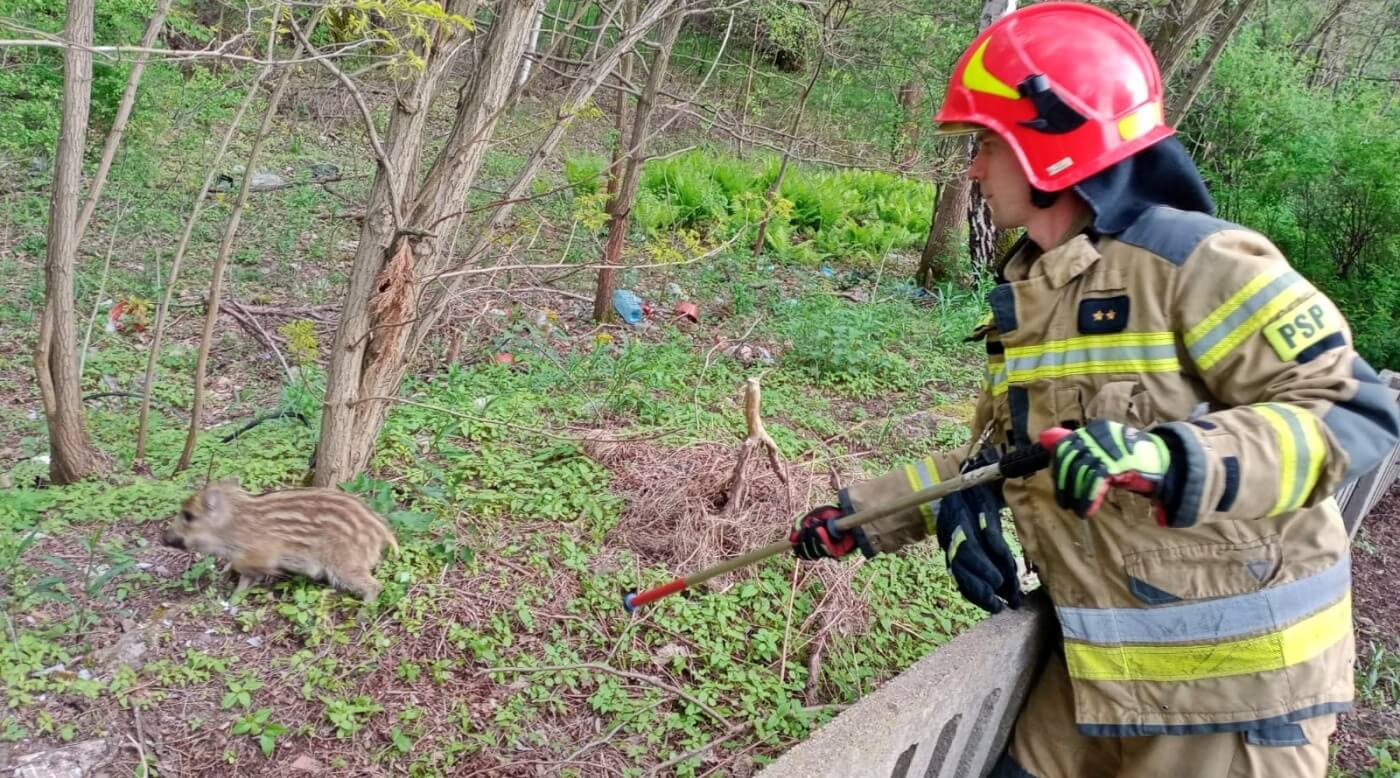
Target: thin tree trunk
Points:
x,y
620,206
158,332
114,136
935,264
1322,28
1202,74
1173,41
371,352
602,295
211,315
72,456
748,88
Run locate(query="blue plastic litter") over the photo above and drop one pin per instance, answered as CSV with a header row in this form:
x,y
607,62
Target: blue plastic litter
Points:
x,y
627,305
828,272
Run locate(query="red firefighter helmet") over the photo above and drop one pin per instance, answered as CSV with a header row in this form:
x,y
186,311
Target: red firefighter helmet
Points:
x,y
1072,88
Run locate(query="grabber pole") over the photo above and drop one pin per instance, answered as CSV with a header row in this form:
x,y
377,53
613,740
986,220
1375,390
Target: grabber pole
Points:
x,y
1023,462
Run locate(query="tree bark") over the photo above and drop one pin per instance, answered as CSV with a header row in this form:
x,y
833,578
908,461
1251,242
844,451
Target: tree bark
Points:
x,y
935,264
1174,37
72,456
373,344
1207,63
619,208
602,292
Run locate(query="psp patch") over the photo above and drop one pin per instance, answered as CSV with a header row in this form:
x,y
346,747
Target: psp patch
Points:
x,y
1309,329
1099,315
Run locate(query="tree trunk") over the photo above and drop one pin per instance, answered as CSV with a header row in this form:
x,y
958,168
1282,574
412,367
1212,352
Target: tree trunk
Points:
x,y
72,456
748,87
905,150
602,292
1202,74
367,355
382,321
620,206
935,264
982,235
1174,38
114,136
1322,28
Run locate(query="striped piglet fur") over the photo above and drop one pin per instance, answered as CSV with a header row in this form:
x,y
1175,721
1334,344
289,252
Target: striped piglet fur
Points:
x,y
323,534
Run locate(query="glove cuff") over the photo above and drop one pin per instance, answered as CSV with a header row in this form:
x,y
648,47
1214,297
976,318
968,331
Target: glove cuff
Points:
x,y
843,499
1183,485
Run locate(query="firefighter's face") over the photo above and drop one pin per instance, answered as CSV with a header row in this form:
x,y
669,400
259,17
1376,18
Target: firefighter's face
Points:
x,y
1004,186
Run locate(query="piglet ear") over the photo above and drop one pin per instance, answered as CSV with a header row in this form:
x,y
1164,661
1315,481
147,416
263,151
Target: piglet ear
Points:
x,y
213,498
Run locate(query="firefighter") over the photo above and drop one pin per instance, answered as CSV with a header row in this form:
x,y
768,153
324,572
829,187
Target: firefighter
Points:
x,y
1204,603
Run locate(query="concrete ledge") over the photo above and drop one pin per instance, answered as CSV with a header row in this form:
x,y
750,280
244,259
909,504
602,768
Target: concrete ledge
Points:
x,y
948,715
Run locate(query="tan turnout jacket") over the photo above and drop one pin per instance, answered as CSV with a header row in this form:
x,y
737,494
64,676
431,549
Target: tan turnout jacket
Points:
x,y
1238,615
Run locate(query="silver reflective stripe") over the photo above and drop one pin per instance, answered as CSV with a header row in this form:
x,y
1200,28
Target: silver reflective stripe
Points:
x,y
1238,316
1222,618
1021,364
925,478
1302,460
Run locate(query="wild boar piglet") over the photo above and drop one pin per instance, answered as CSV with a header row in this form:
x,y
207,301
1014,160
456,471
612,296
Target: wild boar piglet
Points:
x,y
322,534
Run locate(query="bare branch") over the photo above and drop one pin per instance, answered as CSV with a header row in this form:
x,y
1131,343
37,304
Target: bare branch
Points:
x,y
395,189
114,135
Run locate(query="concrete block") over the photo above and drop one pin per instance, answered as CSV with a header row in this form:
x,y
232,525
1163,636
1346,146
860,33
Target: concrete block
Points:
x,y
947,716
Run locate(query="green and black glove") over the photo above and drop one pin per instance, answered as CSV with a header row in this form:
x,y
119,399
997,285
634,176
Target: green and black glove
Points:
x,y
981,562
1103,453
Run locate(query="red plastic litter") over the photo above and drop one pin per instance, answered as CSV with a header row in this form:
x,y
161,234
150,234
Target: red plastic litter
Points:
x,y
689,310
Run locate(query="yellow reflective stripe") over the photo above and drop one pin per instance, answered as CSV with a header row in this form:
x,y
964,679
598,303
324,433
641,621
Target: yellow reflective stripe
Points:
x,y
1140,121
1301,451
1283,302
996,377
1128,352
1190,662
1092,368
1231,305
1083,341
922,475
977,78
1261,300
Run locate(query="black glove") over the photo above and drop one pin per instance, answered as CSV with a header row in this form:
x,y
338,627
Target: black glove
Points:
x,y
815,535
969,530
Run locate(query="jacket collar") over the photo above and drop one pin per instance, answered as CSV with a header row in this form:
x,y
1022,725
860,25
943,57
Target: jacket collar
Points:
x,y
1059,265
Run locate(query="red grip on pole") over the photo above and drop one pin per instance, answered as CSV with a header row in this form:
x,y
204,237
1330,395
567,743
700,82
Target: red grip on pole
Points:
x,y
632,601
1052,436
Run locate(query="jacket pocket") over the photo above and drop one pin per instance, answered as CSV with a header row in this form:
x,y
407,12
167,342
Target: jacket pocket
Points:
x,y
1168,575
1127,402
